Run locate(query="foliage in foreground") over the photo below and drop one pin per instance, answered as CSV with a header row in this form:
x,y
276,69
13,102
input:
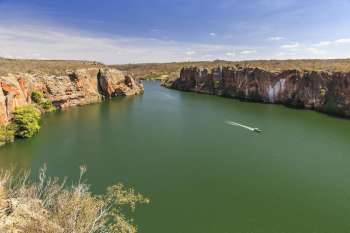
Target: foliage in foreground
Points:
x,y
25,122
49,206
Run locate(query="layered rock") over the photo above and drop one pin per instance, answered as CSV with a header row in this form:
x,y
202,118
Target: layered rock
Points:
x,y
80,87
327,92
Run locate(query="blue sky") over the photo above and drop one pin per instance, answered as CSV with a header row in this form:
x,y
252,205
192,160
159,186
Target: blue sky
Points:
x,y
130,31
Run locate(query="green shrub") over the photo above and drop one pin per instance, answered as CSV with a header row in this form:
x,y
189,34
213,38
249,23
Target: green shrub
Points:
x,y
47,106
25,121
7,134
37,97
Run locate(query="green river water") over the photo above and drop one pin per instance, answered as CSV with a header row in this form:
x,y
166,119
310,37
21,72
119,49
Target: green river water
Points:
x,y
201,174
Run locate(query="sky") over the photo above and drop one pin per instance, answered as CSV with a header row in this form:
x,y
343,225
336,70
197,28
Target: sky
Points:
x,y
140,31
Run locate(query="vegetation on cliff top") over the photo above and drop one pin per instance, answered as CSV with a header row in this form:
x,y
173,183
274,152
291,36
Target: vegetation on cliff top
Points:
x,y
48,205
52,67
162,70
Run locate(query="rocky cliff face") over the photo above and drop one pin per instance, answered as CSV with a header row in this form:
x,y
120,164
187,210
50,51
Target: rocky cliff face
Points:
x,y
78,87
321,91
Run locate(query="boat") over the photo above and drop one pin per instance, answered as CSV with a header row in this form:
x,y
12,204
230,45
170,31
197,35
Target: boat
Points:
x,y
257,130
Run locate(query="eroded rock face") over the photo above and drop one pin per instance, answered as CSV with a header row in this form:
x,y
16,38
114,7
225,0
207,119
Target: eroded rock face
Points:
x,y
13,93
321,91
114,83
78,87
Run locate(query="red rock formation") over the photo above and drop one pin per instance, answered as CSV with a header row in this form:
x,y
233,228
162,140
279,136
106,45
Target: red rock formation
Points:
x,y
78,87
321,91
3,108
11,96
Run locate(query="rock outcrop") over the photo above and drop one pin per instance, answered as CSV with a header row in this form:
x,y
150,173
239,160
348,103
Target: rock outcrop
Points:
x,y
79,87
327,92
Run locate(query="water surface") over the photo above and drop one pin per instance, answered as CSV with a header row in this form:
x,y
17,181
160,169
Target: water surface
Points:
x,y
203,175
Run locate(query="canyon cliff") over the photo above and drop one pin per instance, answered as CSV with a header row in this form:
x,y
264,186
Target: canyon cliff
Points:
x,y
327,92
71,88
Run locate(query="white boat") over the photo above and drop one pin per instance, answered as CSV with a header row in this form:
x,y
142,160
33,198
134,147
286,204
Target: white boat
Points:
x,y
257,130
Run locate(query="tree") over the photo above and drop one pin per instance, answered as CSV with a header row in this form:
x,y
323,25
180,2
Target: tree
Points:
x,y
45,105
25,121
37,97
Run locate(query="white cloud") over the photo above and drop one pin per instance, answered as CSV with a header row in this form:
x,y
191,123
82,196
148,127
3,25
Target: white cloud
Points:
x,y
190,53
281,54
276,38
155,30
247,52
343,40
41,42
213,34
231,54
207,56
290,46
314,50
329,43
322,43
52,42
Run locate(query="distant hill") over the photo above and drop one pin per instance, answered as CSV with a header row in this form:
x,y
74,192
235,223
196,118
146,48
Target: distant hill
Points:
x,y
162,70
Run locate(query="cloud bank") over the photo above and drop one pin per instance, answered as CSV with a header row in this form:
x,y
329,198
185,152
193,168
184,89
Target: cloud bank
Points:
x,y
50,42
47,42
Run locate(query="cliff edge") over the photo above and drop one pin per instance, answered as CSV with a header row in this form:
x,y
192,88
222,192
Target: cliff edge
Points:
x,y
327,92
71,88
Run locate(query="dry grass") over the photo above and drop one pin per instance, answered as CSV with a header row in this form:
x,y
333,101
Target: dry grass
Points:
x,y
154,70
48,205
54,67
157,70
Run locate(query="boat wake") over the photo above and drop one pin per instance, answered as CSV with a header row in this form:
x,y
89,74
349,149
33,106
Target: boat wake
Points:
x,y
244,126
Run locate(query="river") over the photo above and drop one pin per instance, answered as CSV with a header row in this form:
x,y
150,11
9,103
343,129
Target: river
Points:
x,y
202,174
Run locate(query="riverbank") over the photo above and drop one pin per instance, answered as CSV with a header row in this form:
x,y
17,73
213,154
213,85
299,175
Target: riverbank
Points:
x,y
63,86
327,92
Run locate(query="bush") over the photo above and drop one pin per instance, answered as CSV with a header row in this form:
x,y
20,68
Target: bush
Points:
x,y
47,205
47,106
37,97
7,134
25,121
